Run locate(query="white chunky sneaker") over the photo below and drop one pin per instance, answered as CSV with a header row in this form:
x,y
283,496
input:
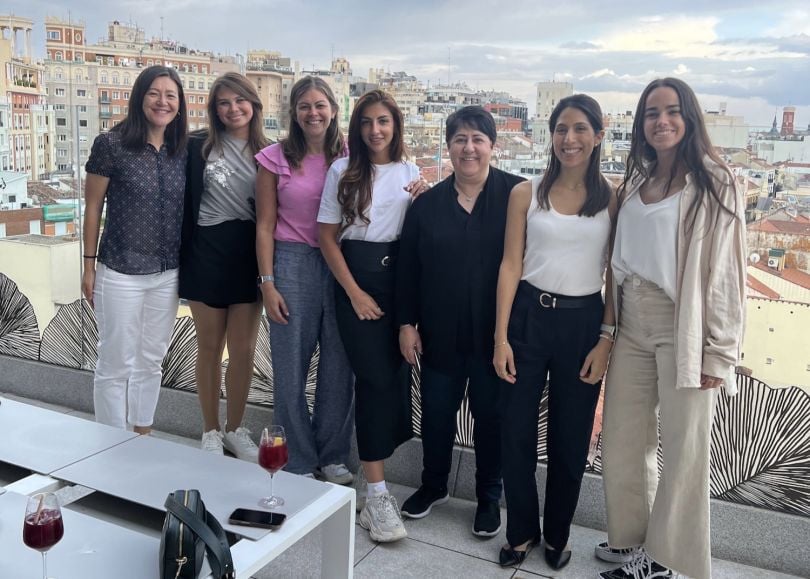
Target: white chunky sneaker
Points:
x,y
381,517
240,444
641,567
607,553
212,441
336,473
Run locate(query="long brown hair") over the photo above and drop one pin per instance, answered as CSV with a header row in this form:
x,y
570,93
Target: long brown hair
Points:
x,y
692,149
294,146
597,188
245,89
356,184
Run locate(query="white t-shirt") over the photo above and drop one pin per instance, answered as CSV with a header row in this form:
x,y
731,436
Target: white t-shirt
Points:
x,y
647,241
389,201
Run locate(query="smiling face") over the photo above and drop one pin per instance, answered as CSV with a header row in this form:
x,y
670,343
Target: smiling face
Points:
x,y
574,138
470,153
234,111
161,102
664,127
314,113
377,132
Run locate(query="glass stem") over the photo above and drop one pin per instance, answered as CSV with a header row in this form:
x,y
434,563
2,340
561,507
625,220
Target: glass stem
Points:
x,y
44,565
271,486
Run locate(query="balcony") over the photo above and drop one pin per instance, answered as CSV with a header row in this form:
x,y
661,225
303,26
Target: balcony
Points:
x,y
760,443
105,114
104,100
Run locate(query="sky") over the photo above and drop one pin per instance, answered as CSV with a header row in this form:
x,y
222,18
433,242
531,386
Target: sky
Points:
x,y
752,55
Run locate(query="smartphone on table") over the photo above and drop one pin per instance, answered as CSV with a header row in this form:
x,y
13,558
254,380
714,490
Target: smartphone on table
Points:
x,y
253,518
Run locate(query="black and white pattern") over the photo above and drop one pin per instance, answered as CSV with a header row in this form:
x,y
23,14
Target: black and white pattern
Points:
x,y
71,337
19,334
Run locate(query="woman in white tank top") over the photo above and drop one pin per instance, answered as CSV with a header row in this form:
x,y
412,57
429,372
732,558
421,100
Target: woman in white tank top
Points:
x,y
551,323
679,265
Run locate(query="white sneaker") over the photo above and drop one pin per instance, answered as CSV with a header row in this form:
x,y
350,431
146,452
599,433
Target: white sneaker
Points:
x,y
381,517
212,441
360,489
241,445
607,553
309,475
336,473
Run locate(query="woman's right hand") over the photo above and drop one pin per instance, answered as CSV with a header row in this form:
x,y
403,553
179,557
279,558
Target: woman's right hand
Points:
x,y
410,343
88,283
504,362
365,307
274,304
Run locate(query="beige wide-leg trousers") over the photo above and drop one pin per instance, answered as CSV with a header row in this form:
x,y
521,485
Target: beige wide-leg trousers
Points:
x,y
668,517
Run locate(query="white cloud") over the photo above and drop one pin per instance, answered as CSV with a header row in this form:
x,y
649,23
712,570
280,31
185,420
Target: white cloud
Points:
x,y
793,22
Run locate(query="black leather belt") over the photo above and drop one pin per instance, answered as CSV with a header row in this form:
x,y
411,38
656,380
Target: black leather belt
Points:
x,y
556,301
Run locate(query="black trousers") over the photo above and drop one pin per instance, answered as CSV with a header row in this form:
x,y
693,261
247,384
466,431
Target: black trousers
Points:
x,y
442,394
554,343
382,389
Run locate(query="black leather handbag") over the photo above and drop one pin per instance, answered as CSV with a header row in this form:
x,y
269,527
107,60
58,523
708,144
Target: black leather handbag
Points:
x,y
189,531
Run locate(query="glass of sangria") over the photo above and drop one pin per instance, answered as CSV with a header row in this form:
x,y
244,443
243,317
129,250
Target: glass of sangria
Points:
x,y
42,526
273,455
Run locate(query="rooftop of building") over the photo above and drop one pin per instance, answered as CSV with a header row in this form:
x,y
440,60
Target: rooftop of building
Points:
x,y
37,239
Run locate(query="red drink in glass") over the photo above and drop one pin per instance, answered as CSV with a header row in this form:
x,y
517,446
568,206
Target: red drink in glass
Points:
x,y
273,457
43,531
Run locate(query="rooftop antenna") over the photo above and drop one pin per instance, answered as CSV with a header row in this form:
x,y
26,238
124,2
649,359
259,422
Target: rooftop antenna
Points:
x,y
161,28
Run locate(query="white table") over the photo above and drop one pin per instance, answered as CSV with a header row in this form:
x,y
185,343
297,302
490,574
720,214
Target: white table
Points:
x,y
44,441
146,469
89,548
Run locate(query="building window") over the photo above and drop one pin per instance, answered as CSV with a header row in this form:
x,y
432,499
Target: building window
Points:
x,y
116,95
769,361
191,99
82,122
60,92
116,110
61,138
82,108
61,122
200,84
81,93
57,55
54,35
126,96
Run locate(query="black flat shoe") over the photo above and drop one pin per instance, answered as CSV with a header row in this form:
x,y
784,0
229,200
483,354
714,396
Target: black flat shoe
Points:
x,y
509,556
557,559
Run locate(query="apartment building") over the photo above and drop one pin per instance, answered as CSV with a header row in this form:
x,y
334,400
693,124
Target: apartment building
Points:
x,y
29,135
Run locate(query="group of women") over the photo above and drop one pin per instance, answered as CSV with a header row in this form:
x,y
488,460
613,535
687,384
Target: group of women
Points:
x,y
492,283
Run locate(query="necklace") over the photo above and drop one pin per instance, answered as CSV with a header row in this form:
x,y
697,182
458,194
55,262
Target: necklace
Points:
x,y
467,198
576,187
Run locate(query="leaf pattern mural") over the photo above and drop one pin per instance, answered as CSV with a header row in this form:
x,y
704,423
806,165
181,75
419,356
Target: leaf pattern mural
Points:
x,y
71,337
19,333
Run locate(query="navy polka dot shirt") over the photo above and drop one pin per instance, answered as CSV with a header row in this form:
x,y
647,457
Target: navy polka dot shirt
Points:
x,y
144,205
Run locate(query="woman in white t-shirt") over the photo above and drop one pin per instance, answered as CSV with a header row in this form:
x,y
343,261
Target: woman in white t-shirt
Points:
x,y
360,220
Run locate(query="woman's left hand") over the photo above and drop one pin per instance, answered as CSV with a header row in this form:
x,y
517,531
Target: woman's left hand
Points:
x,y
596,362
417,187
708,382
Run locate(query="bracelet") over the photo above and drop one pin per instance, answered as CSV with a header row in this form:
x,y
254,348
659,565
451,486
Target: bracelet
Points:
x,y
608,329
499,344
607,337
264,279
89,256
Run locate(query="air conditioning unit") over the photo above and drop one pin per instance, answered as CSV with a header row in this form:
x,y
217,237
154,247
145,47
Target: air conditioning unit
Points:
x,y
773,262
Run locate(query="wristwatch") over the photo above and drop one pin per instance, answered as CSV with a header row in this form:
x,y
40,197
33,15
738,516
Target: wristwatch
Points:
x,y
264,279
610,330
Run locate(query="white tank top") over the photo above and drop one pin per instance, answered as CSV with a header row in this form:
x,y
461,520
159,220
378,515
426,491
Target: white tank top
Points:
x,y
646,242
565,254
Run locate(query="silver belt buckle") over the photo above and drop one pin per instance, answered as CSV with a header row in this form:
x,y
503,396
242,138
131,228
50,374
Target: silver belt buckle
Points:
x,y
385,261
552,300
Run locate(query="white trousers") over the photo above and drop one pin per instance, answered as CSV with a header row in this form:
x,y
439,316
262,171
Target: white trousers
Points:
x,y
670,516
135,315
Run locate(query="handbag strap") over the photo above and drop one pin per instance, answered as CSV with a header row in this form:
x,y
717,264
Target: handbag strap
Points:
x,y
212,534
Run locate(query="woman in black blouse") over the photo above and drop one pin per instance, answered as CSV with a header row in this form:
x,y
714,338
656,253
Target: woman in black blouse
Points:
x,y
451,248
139,168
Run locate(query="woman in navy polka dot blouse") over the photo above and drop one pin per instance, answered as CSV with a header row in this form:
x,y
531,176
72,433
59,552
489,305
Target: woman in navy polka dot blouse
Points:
x,y
139,170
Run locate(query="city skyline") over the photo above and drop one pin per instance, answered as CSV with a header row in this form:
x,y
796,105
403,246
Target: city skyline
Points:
x,y
754,59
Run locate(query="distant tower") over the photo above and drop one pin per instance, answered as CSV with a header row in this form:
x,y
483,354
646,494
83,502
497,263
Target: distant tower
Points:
x,y
788,113
549,94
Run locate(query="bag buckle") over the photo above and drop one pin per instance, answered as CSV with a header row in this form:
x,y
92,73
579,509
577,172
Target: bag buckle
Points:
x,y
552,303
385,261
